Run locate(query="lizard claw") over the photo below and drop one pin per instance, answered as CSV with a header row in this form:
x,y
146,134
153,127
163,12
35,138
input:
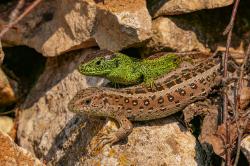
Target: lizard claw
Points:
x,y
108,139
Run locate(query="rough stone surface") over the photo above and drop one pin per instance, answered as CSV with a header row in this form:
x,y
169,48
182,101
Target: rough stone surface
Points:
x,y
6,124
59,137
54,28
48,99
245,147
13,155
159,142
166,33
122,24
173,7
1,54
8,92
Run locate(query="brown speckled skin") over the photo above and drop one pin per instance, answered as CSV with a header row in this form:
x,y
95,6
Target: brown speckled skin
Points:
x,y
172,93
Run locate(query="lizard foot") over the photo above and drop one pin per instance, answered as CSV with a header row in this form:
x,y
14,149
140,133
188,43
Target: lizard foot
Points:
x,y
111,138
108,139
104,139
150,84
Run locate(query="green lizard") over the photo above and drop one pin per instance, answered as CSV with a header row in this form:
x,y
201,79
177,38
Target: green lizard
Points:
x,y
122,69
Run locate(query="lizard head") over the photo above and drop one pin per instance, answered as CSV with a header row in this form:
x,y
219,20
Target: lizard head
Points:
x,y
101,66
87,101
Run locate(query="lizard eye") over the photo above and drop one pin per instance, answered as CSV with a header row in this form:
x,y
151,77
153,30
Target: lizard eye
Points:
x,y
98,62
87,101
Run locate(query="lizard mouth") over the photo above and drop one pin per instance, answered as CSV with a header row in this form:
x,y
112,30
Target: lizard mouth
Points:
x,y
94,73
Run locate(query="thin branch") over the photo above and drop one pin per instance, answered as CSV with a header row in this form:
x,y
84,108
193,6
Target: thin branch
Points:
x,y
239,141
231,23
228,31
16,11
225,99
239,87
27,11
7,112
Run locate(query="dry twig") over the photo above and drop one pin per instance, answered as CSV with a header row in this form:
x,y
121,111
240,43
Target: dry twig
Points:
x,y
14,22
238,109
228,31
14,14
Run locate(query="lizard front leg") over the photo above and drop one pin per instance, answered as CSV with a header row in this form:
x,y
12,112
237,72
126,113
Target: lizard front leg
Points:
x,y
125,76
124,130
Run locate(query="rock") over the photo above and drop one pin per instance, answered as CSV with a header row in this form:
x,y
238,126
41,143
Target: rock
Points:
x,y
158,142
122,24
168,34
173,7
58,137
54,28
13,155
6,124
244,99
45,122
8,92
1,54
236,53
245,147
197,31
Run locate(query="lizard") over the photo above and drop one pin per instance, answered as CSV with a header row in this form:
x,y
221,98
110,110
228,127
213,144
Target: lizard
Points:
x,y
122,69
173,92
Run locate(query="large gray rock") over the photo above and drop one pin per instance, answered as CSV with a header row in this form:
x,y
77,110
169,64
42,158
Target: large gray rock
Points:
x,y
173,7
59,137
